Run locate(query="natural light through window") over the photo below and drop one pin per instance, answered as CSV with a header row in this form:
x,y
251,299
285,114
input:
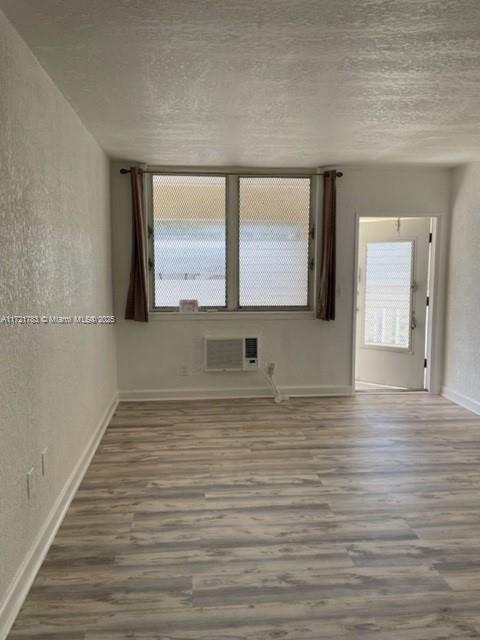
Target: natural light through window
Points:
x,y
231,242
274,247
388,292
189,232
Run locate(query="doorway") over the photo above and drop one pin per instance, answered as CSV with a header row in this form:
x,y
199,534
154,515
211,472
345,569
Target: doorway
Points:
x,y
392,303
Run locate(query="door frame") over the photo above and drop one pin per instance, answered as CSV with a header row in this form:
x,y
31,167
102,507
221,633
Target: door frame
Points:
x,y
434,329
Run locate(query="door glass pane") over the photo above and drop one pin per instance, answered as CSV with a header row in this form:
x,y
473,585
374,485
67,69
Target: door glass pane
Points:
x,y
388,280
274,241
189,240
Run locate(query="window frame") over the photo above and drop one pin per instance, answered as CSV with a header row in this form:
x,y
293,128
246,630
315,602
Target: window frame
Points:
x,y
232,241
151,242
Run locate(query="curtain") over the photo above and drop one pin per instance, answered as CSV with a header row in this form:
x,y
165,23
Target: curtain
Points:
x,y
326,290
137,307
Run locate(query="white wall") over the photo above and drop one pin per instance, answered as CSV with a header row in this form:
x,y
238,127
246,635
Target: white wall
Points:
x,y
462,350
311,356
56,382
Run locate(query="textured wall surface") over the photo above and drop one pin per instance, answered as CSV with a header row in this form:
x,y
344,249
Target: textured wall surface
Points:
x,y
263,82
55,381
462,357
308,352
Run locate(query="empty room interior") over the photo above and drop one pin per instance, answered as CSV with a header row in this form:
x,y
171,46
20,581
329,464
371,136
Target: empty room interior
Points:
x,y
239,319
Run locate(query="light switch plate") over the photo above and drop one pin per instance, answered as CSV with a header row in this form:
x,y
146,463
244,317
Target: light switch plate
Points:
x,y
44,461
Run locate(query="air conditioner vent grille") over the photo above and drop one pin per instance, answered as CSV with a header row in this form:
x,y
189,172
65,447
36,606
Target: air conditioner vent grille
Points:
x,y
251,348
225,354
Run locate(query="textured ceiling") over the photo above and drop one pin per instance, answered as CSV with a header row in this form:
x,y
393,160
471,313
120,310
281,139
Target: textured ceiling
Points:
x,y
266,82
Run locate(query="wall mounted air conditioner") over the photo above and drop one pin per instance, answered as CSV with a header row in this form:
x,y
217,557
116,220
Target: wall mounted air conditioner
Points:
x,y
231,354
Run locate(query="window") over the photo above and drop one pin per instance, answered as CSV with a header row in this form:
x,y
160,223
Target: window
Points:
x,y
189,234
388,294
274,241
231,242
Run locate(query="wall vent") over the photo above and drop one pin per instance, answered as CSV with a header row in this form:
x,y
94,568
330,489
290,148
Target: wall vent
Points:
x,y
231,354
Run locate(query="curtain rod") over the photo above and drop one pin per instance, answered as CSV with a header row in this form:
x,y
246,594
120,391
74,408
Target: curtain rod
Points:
x,y
339,174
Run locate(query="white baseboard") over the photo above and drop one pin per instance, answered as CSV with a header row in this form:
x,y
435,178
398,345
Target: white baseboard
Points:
x,y
21,583
321,391
459,398
138,395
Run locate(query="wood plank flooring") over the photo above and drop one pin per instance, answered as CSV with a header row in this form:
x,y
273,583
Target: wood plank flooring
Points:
x,y
352,518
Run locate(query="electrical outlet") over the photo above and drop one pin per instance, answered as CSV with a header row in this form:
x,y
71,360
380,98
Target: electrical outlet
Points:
x,y
271,368
31,483
184,370
44,461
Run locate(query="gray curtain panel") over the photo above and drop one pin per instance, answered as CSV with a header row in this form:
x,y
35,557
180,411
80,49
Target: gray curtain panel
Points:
x,y
326,289
137,307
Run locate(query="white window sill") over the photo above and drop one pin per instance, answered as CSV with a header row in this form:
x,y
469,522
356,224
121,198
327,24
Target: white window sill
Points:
x,y
206,316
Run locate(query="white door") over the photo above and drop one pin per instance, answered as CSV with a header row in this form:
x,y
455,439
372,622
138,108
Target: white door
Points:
x,y
393,260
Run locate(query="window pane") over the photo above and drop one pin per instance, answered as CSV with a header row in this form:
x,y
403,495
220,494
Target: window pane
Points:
x,y
274,241
388,279
189,240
